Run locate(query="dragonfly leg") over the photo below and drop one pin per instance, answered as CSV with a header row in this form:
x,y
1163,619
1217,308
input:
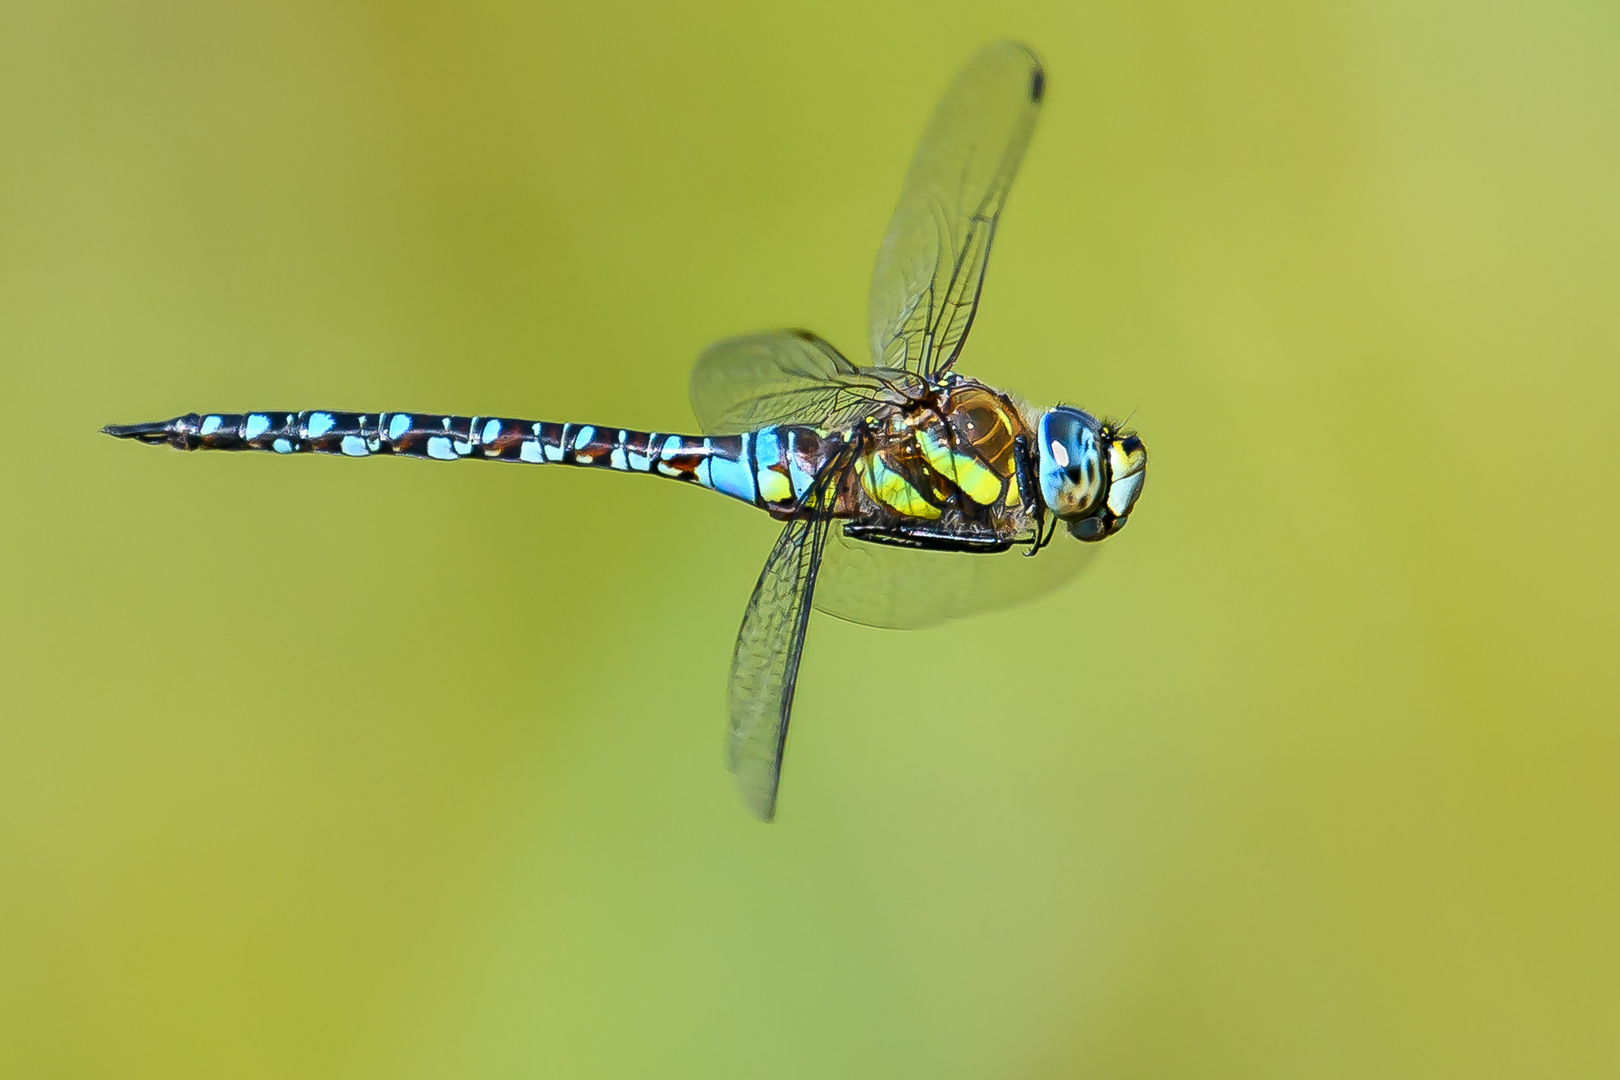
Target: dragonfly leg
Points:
x,y
928,536
1028,493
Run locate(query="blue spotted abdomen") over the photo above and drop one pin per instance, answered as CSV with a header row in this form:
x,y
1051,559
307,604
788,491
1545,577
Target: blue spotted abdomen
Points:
x,y
770,468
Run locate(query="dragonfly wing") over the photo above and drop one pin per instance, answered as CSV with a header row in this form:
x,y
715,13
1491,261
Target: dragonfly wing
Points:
x,y
931,264
765,663
907,589
779,377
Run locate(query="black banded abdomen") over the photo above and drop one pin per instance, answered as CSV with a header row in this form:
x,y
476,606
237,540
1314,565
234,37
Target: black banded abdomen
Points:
x,y
770,468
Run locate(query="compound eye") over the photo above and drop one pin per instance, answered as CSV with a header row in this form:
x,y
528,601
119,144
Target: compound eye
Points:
x,y
1071,466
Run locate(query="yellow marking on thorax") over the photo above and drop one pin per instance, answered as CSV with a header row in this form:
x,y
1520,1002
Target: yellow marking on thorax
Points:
x,y
893,490
964,470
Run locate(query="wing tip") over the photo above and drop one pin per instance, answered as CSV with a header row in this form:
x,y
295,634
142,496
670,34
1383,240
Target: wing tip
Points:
x,y
1015,51
760,803
757,787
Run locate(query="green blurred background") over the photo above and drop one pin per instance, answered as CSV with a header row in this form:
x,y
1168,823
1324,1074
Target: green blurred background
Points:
x,y
327,769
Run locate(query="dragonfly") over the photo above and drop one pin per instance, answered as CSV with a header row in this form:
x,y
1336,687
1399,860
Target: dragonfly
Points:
x,y
909,493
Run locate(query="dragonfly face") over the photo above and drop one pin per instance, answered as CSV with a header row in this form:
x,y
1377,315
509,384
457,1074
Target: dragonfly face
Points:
x,y
1090,474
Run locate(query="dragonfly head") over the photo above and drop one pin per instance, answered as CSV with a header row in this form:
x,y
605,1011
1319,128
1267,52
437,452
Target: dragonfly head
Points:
x,y
1091,473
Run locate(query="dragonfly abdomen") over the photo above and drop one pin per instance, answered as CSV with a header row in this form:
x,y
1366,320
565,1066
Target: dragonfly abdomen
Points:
x,y
770,468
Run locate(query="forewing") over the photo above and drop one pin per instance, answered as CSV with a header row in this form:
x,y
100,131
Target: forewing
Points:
x,y
765,663
777,377
906,589
931,265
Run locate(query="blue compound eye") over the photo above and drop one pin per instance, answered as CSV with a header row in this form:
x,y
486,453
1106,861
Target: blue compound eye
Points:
x,y
1071,465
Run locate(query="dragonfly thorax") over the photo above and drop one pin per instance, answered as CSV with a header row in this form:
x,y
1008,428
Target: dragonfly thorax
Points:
x,y
948,456
1091,474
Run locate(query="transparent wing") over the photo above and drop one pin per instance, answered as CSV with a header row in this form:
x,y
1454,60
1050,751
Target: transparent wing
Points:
x,y
930,267
780,377
905,589
765,663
